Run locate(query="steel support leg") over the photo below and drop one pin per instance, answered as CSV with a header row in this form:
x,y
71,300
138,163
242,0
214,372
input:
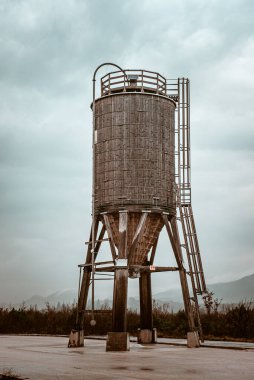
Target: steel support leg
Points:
x,y
119,321
77,334
118,339
175,242
146,309
145,333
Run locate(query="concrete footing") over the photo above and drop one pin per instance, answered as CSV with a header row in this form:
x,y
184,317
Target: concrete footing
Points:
x,y
147,336
118,341
193,339
154,335
76,338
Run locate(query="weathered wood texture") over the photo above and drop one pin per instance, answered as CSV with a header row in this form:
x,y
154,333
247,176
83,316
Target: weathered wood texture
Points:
x,y
134,152
137,248
171,227
86,276
145,296
119,315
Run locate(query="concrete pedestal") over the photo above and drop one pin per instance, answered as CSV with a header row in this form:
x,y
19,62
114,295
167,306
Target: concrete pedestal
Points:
x,y
147,336
154,335
76,338
193,339
118,341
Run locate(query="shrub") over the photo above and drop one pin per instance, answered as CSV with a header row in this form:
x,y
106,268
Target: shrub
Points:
x,y
235,321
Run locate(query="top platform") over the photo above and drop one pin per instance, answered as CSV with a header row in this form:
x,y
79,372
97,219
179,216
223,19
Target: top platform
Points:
x,y
133,81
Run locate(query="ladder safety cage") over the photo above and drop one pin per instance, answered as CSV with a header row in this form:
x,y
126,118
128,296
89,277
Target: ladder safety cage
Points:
x,y
179,91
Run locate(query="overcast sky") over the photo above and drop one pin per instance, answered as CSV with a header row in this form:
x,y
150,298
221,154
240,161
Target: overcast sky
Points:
x,y
49,50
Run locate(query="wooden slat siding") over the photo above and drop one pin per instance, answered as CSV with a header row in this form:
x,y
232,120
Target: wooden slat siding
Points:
x,y
110,235
143,245
135,163
152,229
155,229
137,237
114,224
152,256
134,152
147,239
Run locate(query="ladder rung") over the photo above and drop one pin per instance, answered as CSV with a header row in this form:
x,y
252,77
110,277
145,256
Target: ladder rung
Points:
x,y
193,274
96,241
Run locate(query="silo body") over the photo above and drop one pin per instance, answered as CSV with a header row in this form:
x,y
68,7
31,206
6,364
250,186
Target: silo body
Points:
x,y
134,162
134,197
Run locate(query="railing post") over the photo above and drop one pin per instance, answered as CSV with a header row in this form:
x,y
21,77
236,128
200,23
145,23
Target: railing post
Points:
x,y
124,85
109,79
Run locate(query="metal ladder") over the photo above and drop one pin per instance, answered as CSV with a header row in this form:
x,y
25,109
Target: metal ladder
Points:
x,y
178,90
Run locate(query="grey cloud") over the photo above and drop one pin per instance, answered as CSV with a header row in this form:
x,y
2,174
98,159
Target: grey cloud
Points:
x,y
49,50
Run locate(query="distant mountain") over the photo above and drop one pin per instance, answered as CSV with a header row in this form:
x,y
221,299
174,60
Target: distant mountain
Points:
x,y
235,291
229,292
67,297
174,295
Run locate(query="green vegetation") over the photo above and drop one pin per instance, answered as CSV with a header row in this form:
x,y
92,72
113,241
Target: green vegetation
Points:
x,y
232,322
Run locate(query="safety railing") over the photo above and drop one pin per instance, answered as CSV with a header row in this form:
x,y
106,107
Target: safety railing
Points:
x,y
133,80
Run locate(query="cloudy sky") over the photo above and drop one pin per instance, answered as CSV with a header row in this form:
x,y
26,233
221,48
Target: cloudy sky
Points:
x,y
49,50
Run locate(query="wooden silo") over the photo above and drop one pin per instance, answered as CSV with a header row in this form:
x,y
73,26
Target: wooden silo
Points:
x,y
141,183
134,164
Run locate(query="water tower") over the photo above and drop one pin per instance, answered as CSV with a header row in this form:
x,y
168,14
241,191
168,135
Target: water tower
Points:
x,y
141,184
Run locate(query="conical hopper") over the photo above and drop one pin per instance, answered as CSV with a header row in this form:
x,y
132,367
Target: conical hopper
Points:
x,y
140,237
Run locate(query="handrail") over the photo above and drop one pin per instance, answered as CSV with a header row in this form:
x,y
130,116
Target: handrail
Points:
x,y
145,81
